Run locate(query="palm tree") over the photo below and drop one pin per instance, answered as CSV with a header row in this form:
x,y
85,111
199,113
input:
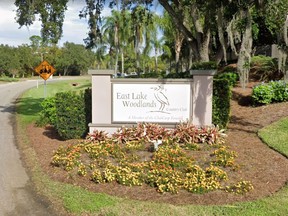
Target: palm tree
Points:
x,y
171,33
116,33
99,56
152,39
139,17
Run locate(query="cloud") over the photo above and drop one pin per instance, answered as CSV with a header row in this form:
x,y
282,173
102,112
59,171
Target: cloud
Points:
x,y
74,28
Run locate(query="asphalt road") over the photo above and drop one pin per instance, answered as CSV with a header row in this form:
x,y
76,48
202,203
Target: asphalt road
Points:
x,y
16,193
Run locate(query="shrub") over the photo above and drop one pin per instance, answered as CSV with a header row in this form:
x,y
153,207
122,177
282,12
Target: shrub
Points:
x,y
280,91
150,75
181,75
266,93
88,106
264,68
70,115
229,69
204,65
48,112
262,94
221,102
145,131
67,108
232,77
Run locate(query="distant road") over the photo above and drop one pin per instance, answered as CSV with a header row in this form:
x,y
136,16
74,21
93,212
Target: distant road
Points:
x,y
16,194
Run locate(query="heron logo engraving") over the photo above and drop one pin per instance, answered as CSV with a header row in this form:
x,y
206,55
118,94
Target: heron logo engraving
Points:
x,y
161,97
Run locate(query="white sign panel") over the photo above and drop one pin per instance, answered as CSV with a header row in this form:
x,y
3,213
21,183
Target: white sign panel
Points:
x,y
163,103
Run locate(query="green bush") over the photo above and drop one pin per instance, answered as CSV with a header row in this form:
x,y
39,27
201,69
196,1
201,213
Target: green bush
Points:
x,y
204,65
48,112
280,90
70,115
68,112
266,93
262,94
221,102
229,68
181,75
88,106
150,75
230,76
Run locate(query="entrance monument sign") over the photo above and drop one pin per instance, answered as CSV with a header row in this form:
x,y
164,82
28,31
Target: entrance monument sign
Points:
x,y
117,102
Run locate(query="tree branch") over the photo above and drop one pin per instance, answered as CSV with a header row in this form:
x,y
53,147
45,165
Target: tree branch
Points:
x,y
178,22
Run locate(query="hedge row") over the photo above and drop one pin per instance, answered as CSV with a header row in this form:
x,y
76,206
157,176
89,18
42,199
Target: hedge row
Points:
x,y
221,102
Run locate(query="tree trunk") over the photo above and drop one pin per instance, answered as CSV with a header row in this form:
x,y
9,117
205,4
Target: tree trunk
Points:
x,y
116,62
65,71
244,58
221,53
284,53
122,60
156,59
190,61
282,63
203,34
178,45
203,41
137,49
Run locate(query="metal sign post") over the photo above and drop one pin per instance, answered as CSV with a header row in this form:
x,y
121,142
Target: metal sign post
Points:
x,y
45,70
45,91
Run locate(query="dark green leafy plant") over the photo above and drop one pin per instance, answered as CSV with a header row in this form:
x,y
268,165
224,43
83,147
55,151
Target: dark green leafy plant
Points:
x,y
232,77
48,112
88,106
211,65
150,75
280,91
262,94
74,106
70,115
221,102
266,93
181,75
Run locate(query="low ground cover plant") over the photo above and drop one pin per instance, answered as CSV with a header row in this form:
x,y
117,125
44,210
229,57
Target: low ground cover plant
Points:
x,y
166,159
264,68
274,91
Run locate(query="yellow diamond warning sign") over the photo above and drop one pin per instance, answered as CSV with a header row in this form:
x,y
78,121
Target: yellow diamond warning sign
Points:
x,y
45,70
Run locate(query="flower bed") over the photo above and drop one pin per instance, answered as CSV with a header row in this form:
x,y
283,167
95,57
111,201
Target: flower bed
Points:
x,y
150,154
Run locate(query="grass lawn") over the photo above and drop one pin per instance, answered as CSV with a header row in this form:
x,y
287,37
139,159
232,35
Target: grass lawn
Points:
x,y
78,201
276,136
4,79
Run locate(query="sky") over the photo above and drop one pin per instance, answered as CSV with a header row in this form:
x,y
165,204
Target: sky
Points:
x,y
74,29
